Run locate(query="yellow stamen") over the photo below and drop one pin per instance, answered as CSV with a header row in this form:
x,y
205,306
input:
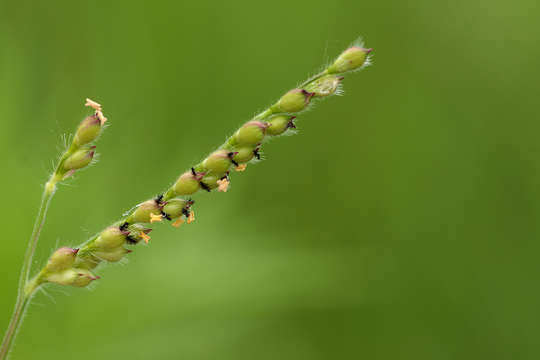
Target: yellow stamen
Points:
x,y
178,222
223,185
101,118
191,217
241,167
94,105
155,218
145,237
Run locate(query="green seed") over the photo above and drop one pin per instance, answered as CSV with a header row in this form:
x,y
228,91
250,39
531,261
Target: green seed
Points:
x,y
218,162
251,133
79,159
278,125
351,59
112,255
111,238
143,211
244,154
88,131
73,277
186,184
210,181
293,101
62,259
176,207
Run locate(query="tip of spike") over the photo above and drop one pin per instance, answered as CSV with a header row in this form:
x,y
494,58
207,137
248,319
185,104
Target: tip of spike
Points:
x,y
94,105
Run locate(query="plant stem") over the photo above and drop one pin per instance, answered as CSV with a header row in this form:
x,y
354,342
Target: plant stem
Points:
x,y
25,292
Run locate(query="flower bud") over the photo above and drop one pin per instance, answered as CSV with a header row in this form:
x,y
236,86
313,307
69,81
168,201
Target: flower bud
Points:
x,y
143,212
325,86
293,101
88,130
218,162
73,277
351,59
112,255
244,154
188,183
79,158
111,238
279,124
176,208
61,259
251,133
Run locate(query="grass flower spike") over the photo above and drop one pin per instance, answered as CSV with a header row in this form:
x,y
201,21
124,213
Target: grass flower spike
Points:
x,y
78,155
77,267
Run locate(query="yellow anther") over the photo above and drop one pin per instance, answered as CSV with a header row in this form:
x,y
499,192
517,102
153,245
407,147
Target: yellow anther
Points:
x,y
191,217
155,218
178,222
223,185
102,119
94,105
145,236
241,167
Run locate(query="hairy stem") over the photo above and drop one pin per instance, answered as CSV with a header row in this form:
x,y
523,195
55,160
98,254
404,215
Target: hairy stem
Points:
x,y
25,292
78,155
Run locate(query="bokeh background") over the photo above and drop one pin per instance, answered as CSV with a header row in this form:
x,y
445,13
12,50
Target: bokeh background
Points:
x,y
400,223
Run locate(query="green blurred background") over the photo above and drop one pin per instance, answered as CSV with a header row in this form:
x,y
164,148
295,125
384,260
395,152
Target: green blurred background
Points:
x,y
401,223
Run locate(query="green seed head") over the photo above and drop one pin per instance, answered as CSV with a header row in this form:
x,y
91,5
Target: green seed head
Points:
x,y
251,133
187,183
61,259
325,86
88,130
293,101
111,238
279,124
176,207
80,158
142,213
351,59
73,277
218,162
112,255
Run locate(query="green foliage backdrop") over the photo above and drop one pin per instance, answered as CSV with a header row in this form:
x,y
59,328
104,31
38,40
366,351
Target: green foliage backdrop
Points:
x,y
401,223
